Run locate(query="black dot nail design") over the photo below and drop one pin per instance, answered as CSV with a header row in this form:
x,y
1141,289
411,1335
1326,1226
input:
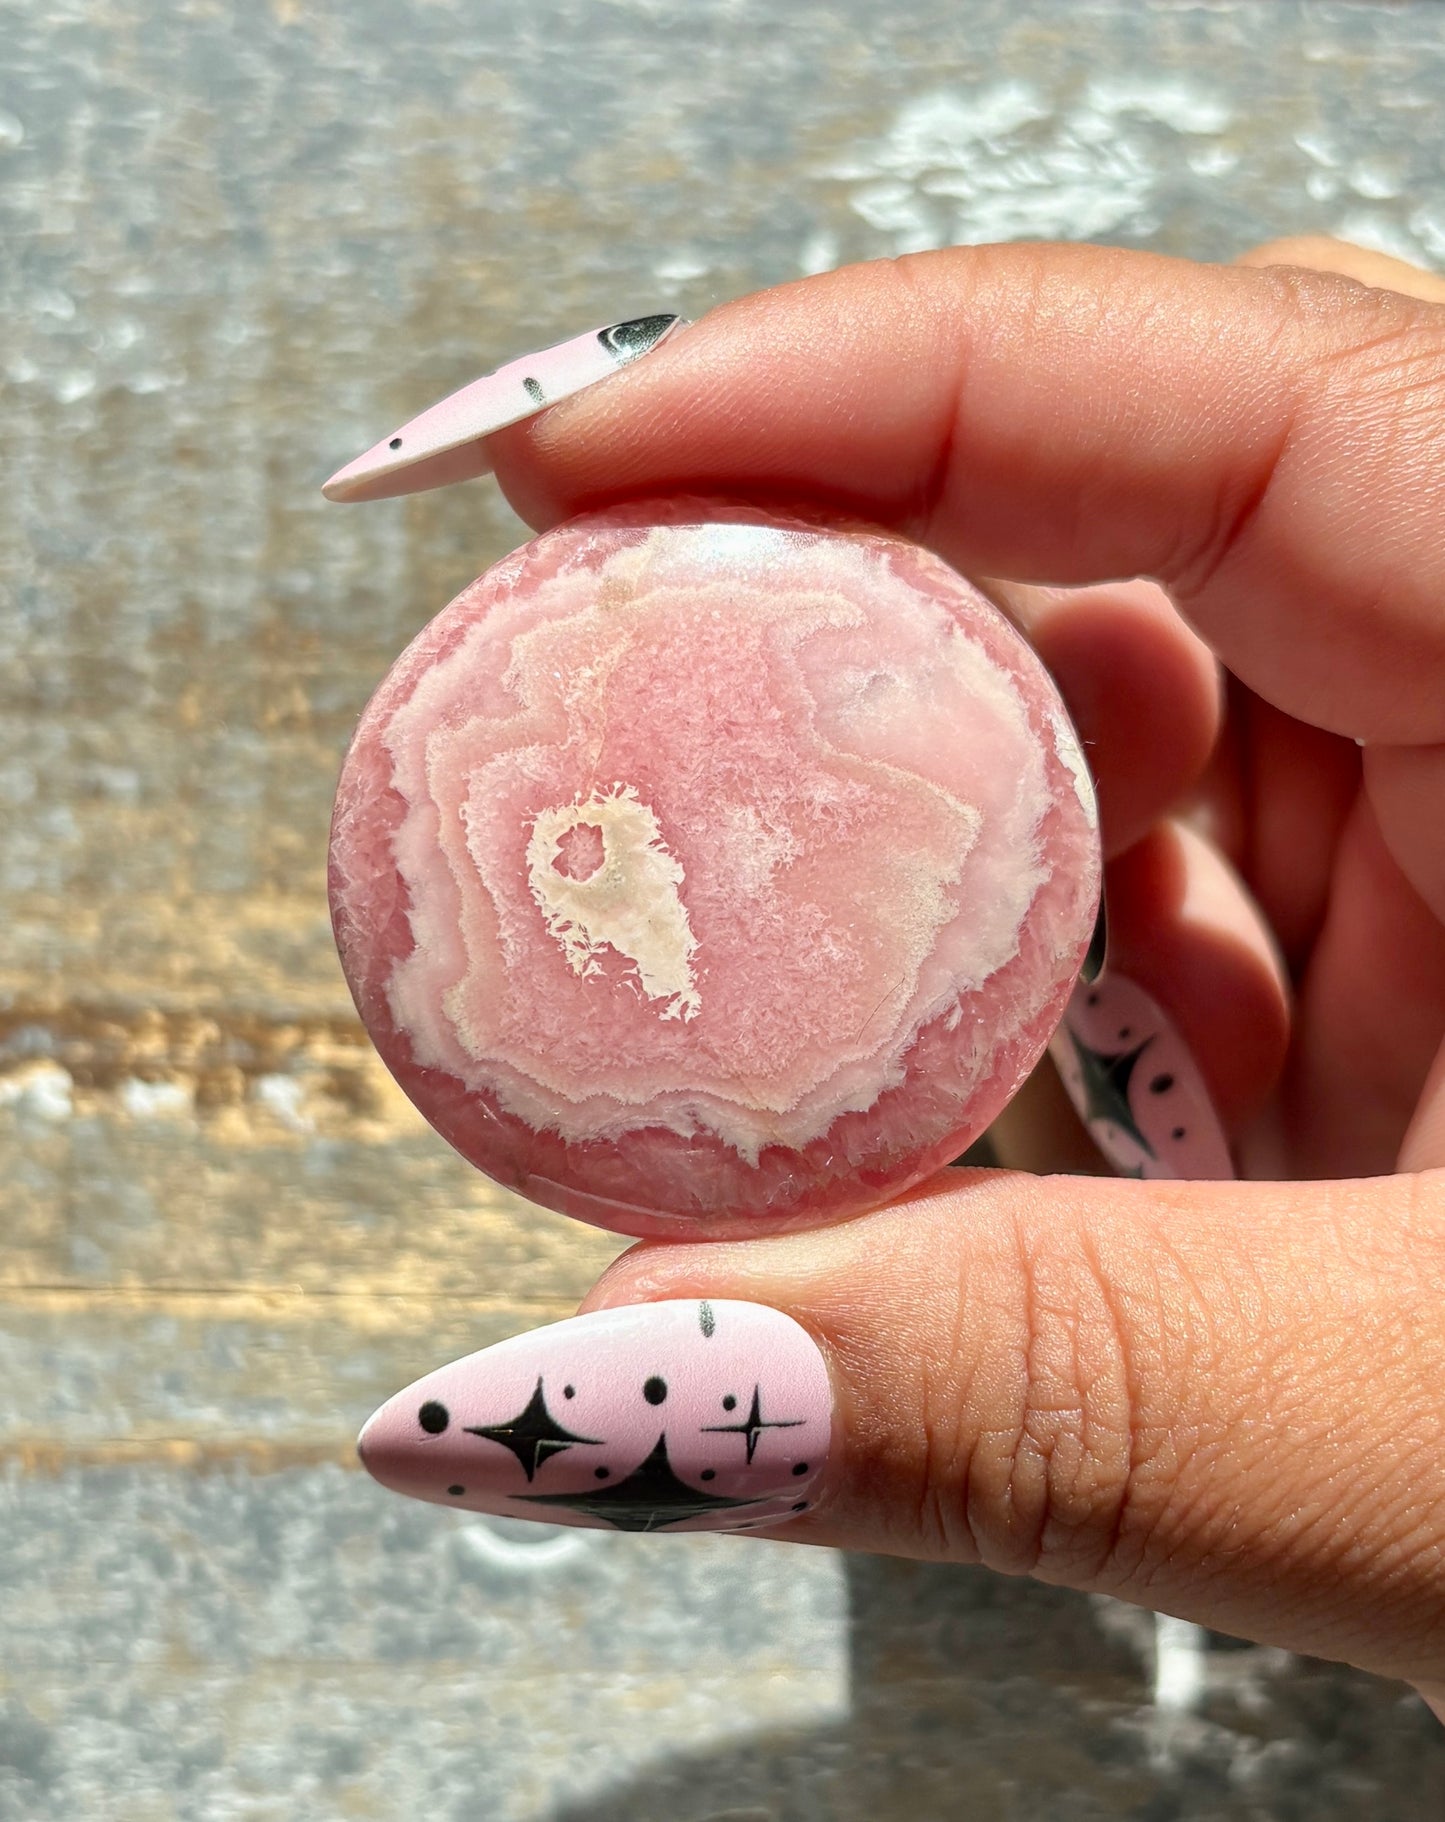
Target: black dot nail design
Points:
x,y
655,1390
1104,1082
395,443
730,1403
708,1474
1161,1084
456,1492
569,1391
602,1473
1178,1133
800,1467
534,391
433,1417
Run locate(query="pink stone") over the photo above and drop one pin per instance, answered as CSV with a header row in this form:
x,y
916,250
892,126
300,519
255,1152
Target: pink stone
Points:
x,y
705,869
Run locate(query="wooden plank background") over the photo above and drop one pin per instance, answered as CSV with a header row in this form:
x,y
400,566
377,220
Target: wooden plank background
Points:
x,y
239,242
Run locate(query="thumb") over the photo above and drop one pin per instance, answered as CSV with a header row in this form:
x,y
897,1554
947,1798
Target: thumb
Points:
x,y
1222,1400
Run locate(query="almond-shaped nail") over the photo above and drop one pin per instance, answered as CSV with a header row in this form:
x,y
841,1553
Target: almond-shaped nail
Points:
x,y
678,1416
447,442
1136,1085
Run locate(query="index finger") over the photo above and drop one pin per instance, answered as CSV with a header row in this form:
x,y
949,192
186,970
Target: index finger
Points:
x,y
1266,443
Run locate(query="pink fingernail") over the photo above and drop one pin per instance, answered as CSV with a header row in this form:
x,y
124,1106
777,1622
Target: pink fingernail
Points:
x,y
686,1416
1136,1086
448,441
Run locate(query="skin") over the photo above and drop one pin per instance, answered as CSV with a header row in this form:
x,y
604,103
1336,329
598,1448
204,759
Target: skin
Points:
x,y
1224,1401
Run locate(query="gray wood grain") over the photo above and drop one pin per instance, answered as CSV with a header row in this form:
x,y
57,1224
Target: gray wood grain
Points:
x,y
239,242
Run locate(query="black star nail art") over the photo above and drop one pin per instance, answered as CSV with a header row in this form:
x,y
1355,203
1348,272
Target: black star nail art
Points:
x,y
533,1434
1106,1087
753,1425
646,1500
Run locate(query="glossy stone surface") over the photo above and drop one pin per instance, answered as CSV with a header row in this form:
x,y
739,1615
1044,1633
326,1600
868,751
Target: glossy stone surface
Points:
x,y
701,866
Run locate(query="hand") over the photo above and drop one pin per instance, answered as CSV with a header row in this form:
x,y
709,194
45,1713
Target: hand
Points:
x,y
1223,1400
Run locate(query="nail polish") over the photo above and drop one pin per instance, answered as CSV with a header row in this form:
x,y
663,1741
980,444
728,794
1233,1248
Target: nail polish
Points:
x,y
447,442
1135,1084
709,869
675,1416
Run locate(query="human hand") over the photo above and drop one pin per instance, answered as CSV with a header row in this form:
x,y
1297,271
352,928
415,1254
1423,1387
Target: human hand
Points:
x,y
1223,1400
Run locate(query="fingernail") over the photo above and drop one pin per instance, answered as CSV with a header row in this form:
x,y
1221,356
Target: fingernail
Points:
x,y
686,1416
1135,1085
1098,950
447,442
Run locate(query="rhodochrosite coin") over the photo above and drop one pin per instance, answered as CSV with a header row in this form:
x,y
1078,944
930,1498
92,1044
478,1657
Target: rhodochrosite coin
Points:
x,y
705,869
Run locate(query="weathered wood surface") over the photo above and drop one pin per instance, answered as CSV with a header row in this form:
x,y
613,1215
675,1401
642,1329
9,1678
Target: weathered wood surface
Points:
x,y
238,242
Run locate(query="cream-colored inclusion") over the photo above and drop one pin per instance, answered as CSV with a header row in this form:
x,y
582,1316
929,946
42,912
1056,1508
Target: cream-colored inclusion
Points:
x,y
631,903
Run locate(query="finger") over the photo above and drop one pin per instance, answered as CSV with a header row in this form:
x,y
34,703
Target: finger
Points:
x,y
1182,1036
1323,253
1298,786
1215,808
1424,1146
1218,1399
1178,1045
1406,785
1371,1013
1142,688
1274,799
1264,442
1183,926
